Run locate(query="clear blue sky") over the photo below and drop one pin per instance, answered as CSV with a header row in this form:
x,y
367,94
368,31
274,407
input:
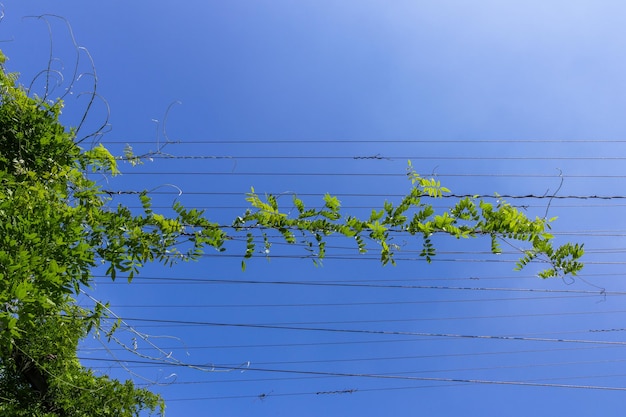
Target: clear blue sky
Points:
x,y
491,96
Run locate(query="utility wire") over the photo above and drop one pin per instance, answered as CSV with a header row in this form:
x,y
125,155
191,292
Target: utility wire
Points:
x,y
499,196
393,157
395,286
421,371
391,377
379,141
359,174
378,332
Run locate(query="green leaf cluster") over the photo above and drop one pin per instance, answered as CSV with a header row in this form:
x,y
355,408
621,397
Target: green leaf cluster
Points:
x,y
415,215
54,228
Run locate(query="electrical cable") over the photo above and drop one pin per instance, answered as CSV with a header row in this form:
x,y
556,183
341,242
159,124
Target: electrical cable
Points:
x,y
395,377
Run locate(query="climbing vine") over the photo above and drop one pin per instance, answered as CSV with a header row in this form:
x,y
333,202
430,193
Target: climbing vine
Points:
x,y
57,225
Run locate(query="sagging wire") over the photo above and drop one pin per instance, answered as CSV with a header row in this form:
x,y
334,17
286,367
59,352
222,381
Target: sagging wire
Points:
x,y
165,357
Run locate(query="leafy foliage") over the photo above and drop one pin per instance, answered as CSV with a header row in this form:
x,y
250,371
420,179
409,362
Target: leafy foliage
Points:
x,y
56,225
54,228
468,218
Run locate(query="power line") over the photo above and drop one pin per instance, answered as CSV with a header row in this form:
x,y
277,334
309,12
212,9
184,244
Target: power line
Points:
x,y
393,158
386,376
378,332
403,320
427,371
484,368
400,258
263,396
379,141
364,342
358,174
369,207
390,195
394,286
317,393
200,281
280,242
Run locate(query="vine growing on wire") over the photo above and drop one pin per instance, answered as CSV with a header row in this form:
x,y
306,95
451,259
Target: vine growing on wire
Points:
x,y
56,225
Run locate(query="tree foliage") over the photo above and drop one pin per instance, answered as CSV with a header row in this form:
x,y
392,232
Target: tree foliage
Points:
x,y
56,225
54,228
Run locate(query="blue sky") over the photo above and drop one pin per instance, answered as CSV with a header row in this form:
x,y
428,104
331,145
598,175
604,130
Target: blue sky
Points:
x,y
326,96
